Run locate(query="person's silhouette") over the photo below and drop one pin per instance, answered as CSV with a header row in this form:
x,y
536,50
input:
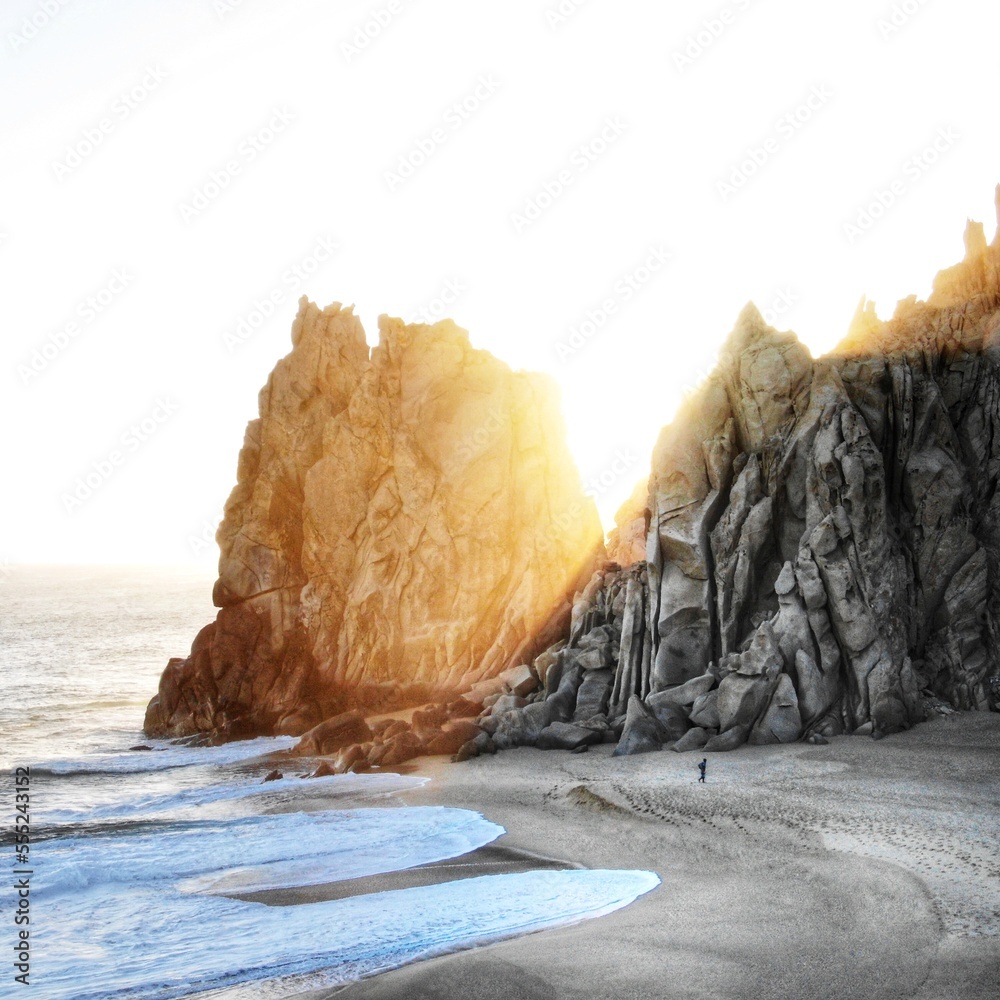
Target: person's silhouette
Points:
x,y
701,767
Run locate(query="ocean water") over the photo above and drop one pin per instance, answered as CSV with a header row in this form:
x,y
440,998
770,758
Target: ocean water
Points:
x,y
133,857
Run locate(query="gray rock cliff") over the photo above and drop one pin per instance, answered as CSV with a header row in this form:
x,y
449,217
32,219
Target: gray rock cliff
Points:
x,y
816,551
822,539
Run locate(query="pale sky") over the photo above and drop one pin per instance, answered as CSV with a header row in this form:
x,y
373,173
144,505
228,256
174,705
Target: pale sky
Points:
x,y
173,171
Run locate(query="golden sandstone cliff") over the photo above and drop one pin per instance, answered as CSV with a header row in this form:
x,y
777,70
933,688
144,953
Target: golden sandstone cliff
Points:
x,y
406,522
816,552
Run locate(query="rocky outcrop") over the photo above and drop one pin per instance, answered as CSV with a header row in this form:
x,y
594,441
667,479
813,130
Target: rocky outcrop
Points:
x,y
822,539
816,551
407,521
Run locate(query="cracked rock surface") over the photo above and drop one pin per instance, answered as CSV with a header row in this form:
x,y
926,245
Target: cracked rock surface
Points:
x,y
406,521
819,548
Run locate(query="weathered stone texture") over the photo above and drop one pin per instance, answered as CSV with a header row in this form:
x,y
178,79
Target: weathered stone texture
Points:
x,y
822,553
406,522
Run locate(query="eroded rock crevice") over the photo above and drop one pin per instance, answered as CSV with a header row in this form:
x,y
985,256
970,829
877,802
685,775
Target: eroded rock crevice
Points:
x,y
821,541
406,521
816,551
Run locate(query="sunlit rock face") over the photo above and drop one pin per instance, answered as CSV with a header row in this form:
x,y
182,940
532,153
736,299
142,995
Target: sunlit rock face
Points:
x,y
406,522
822,537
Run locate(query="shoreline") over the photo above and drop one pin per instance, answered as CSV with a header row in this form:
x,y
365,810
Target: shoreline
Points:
x,y
493,859
856,869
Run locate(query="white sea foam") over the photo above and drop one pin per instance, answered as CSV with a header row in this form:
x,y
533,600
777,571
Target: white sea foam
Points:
x,y
261,852
137,912
166,755
192,803
129,905
158,945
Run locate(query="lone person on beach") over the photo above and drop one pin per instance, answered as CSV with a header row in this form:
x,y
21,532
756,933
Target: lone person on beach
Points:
x,y
702,764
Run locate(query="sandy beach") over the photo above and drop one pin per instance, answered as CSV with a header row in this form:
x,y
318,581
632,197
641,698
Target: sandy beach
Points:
x,y
856,869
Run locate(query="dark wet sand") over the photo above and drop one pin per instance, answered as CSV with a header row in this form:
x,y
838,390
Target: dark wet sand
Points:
x,y
860,869
493,859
